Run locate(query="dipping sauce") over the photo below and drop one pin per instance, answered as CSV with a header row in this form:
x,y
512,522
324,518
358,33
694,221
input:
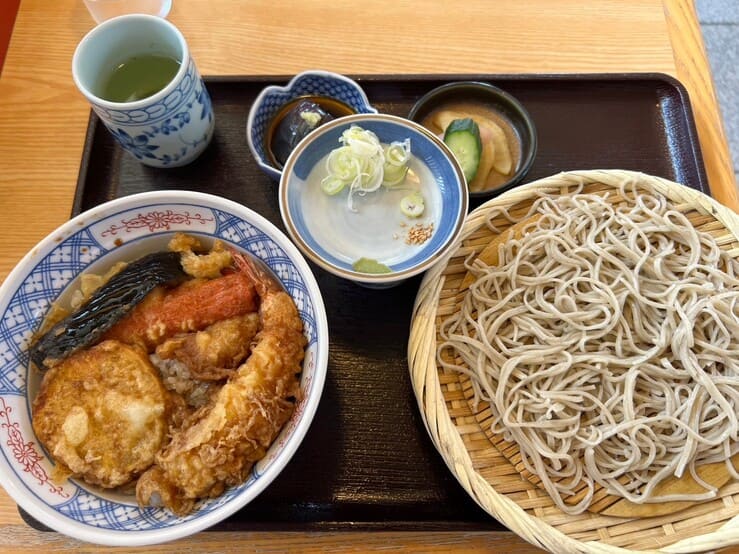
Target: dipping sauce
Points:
x,y
281,138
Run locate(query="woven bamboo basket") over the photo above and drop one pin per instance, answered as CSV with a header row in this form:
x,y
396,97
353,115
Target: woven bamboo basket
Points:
x,y
465,442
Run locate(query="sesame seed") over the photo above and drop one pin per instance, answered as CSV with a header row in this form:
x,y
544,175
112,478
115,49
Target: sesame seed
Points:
x,y
419,233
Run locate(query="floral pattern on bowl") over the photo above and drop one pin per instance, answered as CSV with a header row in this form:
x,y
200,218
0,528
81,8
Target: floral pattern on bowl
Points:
x,y
124,229
186,114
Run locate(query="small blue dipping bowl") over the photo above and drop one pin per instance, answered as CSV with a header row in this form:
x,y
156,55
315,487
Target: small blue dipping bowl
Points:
x,y
309,83
335,237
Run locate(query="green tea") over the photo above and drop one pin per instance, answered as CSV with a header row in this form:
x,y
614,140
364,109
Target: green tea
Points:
x,y
139,77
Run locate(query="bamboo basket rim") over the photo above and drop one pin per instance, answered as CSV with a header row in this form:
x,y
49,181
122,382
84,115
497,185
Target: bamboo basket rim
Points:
x,y
430,397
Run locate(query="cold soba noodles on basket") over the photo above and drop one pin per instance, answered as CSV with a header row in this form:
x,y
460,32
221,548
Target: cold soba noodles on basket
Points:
x,y
605,338
591,323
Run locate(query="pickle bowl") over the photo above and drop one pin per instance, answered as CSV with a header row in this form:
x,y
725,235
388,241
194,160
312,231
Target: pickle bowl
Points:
x,y
500,116
123,230
268,125
376,238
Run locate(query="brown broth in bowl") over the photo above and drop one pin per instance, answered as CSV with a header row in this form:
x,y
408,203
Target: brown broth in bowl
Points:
x,y
505,137
335,108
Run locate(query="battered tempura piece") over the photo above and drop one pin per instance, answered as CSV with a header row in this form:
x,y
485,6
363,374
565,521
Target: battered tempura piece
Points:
x,y
217,446
213,353
103,414
200,266
195,365
192,306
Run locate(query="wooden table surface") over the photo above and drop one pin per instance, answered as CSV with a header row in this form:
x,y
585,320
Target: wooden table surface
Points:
x,y
43,120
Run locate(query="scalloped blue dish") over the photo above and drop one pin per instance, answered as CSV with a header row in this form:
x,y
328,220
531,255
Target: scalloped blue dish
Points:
x,y
273,98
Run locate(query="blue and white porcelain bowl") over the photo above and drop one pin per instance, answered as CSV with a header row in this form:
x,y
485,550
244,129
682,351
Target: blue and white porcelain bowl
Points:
x,y
309,83
335,237
125,229
170,128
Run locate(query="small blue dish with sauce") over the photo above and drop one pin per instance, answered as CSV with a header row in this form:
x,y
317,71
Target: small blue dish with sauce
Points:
x,y
336,94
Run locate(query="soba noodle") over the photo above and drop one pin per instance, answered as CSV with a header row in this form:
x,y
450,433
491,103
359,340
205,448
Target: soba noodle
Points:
x,y
606,341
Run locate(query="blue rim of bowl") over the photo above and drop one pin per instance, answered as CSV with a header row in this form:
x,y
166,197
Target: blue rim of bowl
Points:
x,y
262,162
373,278
237,497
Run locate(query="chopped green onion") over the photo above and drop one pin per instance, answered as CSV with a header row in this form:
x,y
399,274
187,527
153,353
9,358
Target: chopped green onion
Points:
x,y
394,176
332,186
397,155
412,205
363,164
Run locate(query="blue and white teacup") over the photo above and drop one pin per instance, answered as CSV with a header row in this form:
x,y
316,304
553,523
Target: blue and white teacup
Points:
x,y
170,128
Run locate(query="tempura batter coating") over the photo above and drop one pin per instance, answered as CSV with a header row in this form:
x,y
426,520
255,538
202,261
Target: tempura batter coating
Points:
x,y
103,414
215,352
195,365
191,306
219,443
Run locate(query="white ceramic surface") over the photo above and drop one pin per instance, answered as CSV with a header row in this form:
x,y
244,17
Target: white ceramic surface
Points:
x,y
125,229
168,129
334,237
100,10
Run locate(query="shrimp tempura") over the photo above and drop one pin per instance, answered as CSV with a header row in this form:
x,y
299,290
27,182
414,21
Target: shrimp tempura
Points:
x,y
218,444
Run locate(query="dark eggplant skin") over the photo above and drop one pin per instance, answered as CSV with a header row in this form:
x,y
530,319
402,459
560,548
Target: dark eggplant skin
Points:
x,y
106,307
305,117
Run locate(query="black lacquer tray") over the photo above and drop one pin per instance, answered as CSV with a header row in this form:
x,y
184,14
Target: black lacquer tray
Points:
x,y
367,462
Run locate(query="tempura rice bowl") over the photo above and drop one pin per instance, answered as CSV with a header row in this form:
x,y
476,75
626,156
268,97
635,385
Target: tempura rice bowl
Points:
x,y
125,229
